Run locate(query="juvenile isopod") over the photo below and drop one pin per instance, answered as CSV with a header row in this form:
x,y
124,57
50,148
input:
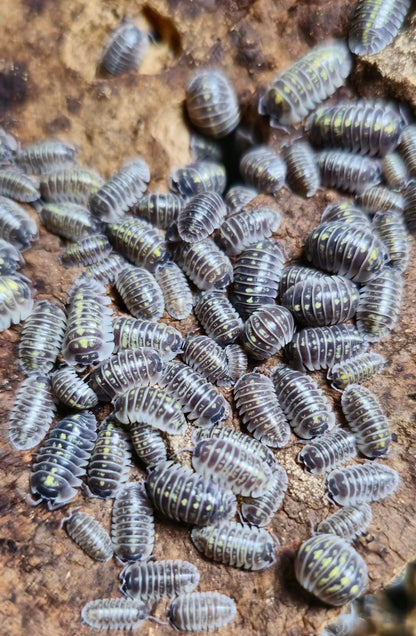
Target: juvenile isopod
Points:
x,y
74,185
246,227
86,251
362,483
237,361
132,333
346,212
148,444
347,171
264,169
356,370
114,613
70,220
197,177
201,611
367,420
205,264
132,523
152,406
379,307
125,50
155,580
329,568
175,288
267,330
16,300
46,155
211,103
202,214
109,464
328,451
140,293
302,169
10,258
348,522
138,241
259,511
41,337
32,412
72,390
375,24
159,208
239,196
218,317
16,225
90,535
395,171
379,198
207,358
16,185
391,228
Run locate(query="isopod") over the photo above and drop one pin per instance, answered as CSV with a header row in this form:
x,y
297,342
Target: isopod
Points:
x,y
347,171
72,390
356,370
16,225
32,413
159,208
148,444
140,293
132,333
292,274
302,169
362,483
175,288
18,186
70,220
348,522
138,241
207,358
106,270
201,148
264,169
16,300
201,611
380,198
10,258
90,535
328,451
239,196
153,581
395,171
125,50
391,228
132,523
44,156
109,464
267,330
205,264
218,317
197,177
114,613
74,185
152,406
259,511
237,361
375,24
202,214
87,251
41,337
346,212
407,148
379,307
246,227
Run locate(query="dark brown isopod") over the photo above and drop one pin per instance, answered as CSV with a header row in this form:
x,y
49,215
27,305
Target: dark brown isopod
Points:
x,y
140,293
292,274
348,522
152,406
356,370
395,171
74,185
159,208
131,333
138,241
205,264
218,317
259,511
132,523
109,465
346,212
246,227
202,147
407,148
302,169
328,451
237,361
239,196
70,220
379,307
380,198
348,171
391,228
16,185
267,330
362,483
367,420
32,412
148,444
207,357
72,390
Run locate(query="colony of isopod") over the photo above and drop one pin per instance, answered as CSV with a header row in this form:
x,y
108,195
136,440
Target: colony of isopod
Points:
x,y
205,246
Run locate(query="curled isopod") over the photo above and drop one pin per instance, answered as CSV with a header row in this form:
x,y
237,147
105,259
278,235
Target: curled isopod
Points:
x,y
132,523
148,444
237,361
379,307
74,185
70,220
140,293
306,83
132,333
264,169
240,546
205,264
367,420
347,171
16,185
87,251
267,330
329,568
375,24
153,581
356,370
391,228
46,155
395,171
41,337
90,535
109,464
180,494
138,241
16,300
346,212
121,191
348,522
259,511
175,288
303,402
302,169
201,611
328,451
159,208
218,317
197,177
125,50
260,411
10,258
16,225
202,214
211,103
363,483
72,390
152,406
206,356
32,412
380,198
114,613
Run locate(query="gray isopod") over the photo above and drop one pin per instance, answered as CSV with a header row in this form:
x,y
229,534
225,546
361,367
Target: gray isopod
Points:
x,y
205,264
264,169
379,198
16,225
10,258
176,291
114,613
302,169
138,241
239,196
89,534
362,483
131,333
356,370
106,270
375,24
140,293
152,406
346,212
201,611
16,300
70,220
202,147
132,523
292,274
267,330
153,581
74,185
237,361
109,464
72,390
16,185
348,171
348,522
367,420
328,451
44,156
201,215
32,413
41,337
379,307
218,317
206,357
241,229
259,511
86,251
125,49
159,208
395,171
391,228
197,177
407,148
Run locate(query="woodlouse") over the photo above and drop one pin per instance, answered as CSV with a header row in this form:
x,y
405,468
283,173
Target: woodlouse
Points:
x,y
259,511
72,390
148,444
328,451
379,307
90,535
32,412
201,215
175,288
153,581
132,333
62,459
303,402
180,494
292,274
140,293
347,171
152,406
348,522
306,83
138,241
41,337
205,264
70,220
132,523
16,185
375,24
109,464
356,370
260,411
264,169
197,177
202,147
267,330
114,613
407,148
74,185
87,251
380,198
125,50
211,103
237,545
329,568
201,611
302,169
395,171
16,225
391,228
159,208
206,357
44,156
346,212
239,196
10,258
16,300
362,483
237,361
218,317
106,270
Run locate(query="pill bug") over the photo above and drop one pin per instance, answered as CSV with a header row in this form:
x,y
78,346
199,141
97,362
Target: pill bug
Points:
x,y
259,511
10,258
379,307
391,228
138,241
347,171
70,220
380,198
239,196
114,613
354,252
267,330
231,466
237,545
260,410
252,445
182,495
159,208
292,274
132,523
152,406
302,170
306,83
303,402
407,148
88,337
218,317
90,535
153,581
375,24
246,227
132,333
263,168
175,288
315,348
201,148
201,611
140,293
16,225
356,370
345,212
205,264
119,193
367,420
257,271
125,49
395,171
348,522
206,357
124,370
237,361
148,444
46,155
328,567
32,413
18,186
41,337
211,103
362,483
371,127
410,208
202,214
86,251
106,270
73,185
62,459
322,301
109,464
16,300
197,177
72,390
202,402
328,451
